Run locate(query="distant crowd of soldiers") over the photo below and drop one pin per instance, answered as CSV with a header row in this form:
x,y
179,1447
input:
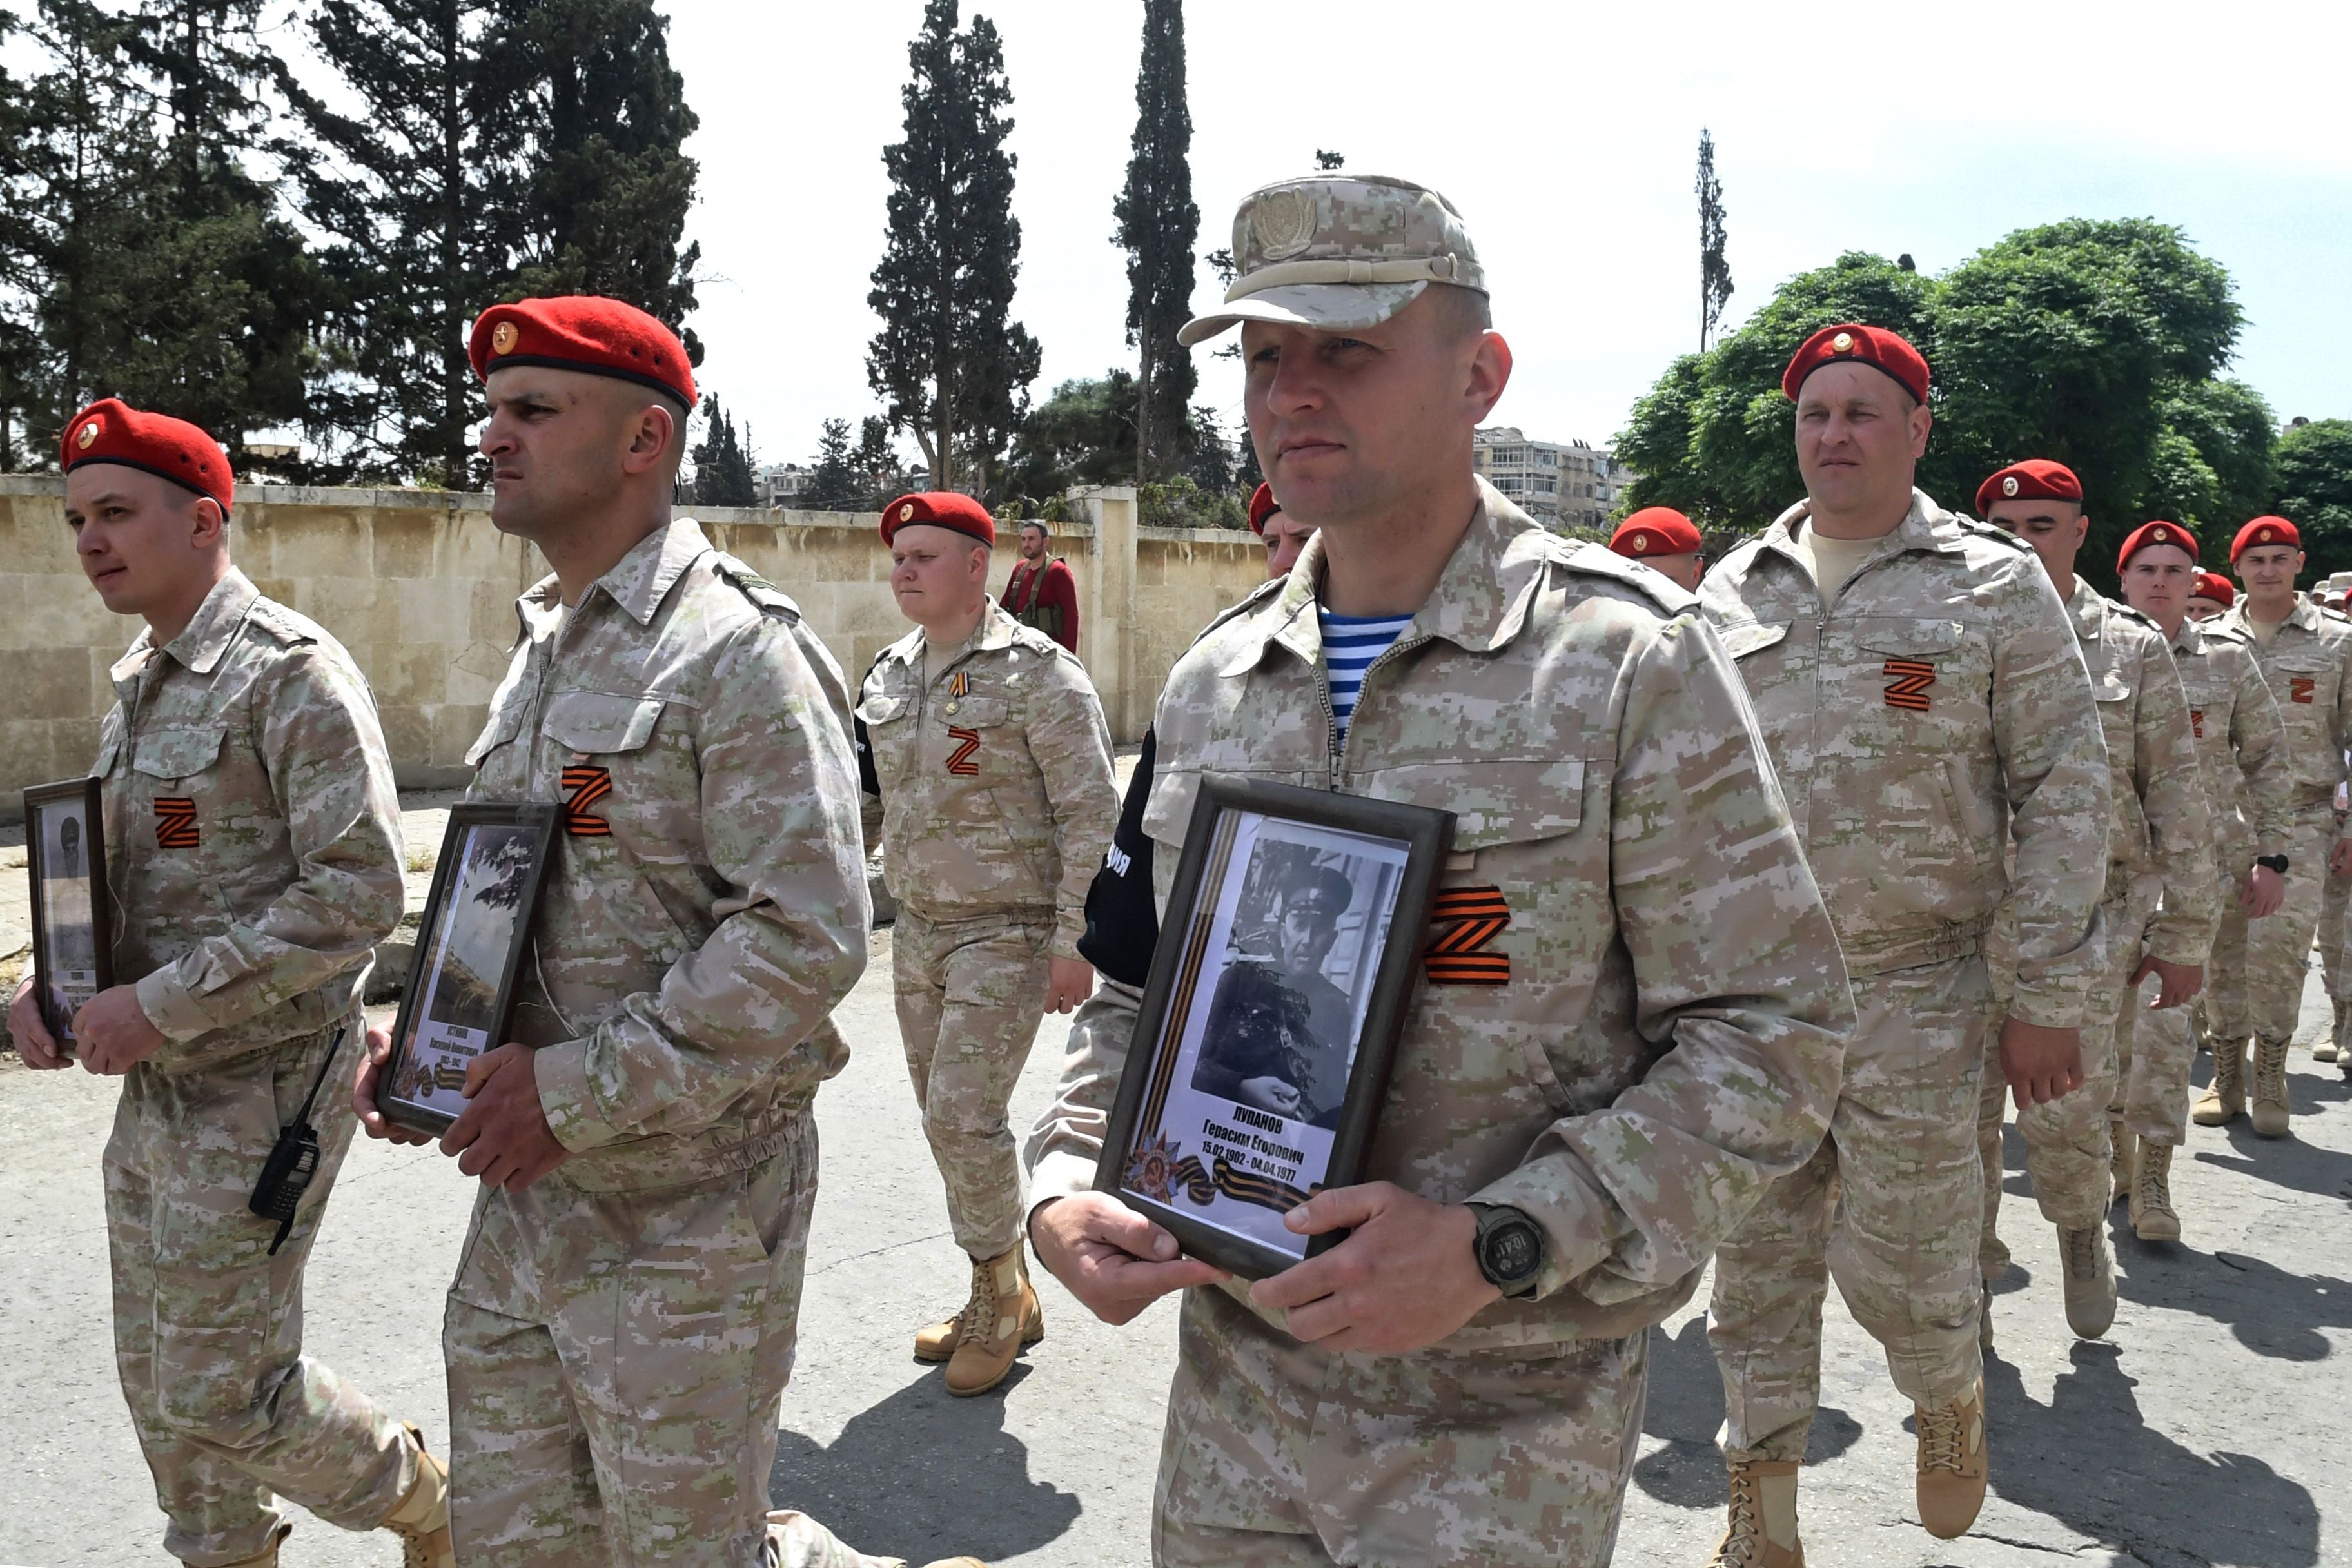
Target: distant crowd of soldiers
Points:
x,y
1805,859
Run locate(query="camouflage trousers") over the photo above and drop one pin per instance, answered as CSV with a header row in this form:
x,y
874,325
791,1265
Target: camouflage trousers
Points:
x,y
2155,1053
1889,1205
970,995
2333,896
2261,964
1278,1454
2220,1007
2066,1147
616,1361
208,1326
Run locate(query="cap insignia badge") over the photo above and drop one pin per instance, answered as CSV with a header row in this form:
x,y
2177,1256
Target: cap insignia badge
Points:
x,y
1842,344
1640,542
906,511
2159,536
1283,223
2008,486
503,337
88,434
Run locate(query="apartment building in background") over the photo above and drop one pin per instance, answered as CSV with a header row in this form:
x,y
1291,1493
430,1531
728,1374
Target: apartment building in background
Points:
x,y
1560,484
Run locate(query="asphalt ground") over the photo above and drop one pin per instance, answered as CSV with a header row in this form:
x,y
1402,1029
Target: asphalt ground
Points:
x,y
2209,1427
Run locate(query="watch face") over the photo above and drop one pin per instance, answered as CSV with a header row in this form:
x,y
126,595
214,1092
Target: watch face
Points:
x,y
1514,1251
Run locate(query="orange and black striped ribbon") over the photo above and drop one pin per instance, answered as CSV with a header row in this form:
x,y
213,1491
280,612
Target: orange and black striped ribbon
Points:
x,y
175,822
959,761
583,787
1467,920
1242,1186
1908,680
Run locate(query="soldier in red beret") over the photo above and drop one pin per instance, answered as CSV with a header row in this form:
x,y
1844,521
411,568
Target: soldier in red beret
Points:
x,y
624,1318
254,842
1284,534
2306,654
1665,540
2212,596
1042,594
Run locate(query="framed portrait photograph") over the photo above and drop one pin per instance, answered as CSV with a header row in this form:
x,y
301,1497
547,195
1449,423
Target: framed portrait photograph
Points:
x,y
1288,956
470,946
73,910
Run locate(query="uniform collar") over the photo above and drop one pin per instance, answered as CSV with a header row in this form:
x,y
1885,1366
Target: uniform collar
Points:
x,y
207,636
1925,526
2191,640
1479,605
994,631
640,580
2088,607
2304,615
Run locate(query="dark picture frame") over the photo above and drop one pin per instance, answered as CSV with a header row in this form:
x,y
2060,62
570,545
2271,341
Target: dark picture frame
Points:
x,y
73,904
1284,967
459,995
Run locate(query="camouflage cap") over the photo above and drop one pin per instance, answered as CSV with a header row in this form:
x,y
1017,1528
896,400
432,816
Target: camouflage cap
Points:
x,y
1335,252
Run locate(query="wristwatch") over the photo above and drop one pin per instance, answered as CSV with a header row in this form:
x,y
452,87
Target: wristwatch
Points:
x,y
2275,862
1509,1248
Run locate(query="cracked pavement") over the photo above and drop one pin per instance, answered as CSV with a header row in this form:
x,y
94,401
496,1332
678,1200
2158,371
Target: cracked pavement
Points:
x,y
2208,1428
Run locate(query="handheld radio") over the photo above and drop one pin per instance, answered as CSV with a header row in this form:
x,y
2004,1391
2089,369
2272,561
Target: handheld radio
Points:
x,y
294,1160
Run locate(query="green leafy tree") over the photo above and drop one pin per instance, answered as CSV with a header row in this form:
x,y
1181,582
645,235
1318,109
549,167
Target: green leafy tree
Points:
x,y
950,365
723,464
880,468
1157,221
833,480
2312,466
1082,434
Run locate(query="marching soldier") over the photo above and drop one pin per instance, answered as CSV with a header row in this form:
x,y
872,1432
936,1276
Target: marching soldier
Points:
x,y
2212,597
1646,1042
253,849
2248,785
1916,674
621,1325
1041,593
1664,540
2159,846
2306,653
985,745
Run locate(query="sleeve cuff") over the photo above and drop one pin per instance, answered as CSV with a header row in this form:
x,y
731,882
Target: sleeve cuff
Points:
x,y
1067,930
171,1006
566,1100
1573,1245
2047,1007
1061,1173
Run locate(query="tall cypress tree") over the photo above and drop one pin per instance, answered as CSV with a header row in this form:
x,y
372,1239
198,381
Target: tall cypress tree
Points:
x,y
723,464
1713,271
952,365
1157,221
403,187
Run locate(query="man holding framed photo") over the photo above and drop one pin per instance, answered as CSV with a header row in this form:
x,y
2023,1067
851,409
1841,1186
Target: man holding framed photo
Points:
x,y
1570,1125
622,1324
253,849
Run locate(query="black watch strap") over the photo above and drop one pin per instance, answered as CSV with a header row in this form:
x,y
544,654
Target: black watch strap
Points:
x,y
1509,1248
2275,862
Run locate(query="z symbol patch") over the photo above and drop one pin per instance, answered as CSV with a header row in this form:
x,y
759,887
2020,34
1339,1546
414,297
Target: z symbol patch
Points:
x,y
1907,683
175,822
582,788
1464,921
2197,723
959,761
2300,688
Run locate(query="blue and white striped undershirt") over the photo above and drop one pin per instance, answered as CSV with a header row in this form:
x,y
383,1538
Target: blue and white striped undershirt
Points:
x,y
1351,643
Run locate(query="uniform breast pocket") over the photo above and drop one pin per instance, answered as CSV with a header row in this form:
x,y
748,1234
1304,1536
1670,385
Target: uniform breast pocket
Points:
x,y
625,776
2304,688
1917,694
979,743
177,768
888,722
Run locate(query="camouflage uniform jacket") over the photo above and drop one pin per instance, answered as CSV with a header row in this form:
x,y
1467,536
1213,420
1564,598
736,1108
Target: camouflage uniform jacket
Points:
x,y
2163,822
1937,709
706,906
1666,1037
2305,667
2235,721
252,833
995,779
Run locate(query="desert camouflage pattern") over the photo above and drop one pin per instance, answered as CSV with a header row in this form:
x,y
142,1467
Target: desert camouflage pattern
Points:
x,y
2305,667
1278,1454
970,996
2066,1147
1888,1205
1936,716
252,830
997,794
2335,895
1667,1041
208,1327
2235,722
705,913
2155,1053
1335,250
619,1333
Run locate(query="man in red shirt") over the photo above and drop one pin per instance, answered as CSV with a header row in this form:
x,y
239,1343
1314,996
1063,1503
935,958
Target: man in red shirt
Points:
x,y
1042,593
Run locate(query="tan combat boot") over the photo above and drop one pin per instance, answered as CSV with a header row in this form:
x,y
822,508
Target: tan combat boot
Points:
x,y
2269,1110
421,1520
1763,1533
2123,1148
2088,1274
1002,1316
2325,1050
2152,1218
1951,1464
2221,1101
938,1342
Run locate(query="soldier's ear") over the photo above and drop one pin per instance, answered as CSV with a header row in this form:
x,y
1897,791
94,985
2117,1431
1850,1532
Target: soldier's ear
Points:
x,y
208,525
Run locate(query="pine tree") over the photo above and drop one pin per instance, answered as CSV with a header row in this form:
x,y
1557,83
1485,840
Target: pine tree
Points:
x,y
1157,221
950,363
1713,272
723,472
416,246
832,481
881,471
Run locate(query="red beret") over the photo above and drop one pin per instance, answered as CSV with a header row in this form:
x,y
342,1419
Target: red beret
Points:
x,y
585,332
2263,530
2214,587
111,431
1655,530
1874,346
940,509
1262,506
2036,478
2158,532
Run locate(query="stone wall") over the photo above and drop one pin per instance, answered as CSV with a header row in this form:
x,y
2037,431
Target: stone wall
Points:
x,y
421,587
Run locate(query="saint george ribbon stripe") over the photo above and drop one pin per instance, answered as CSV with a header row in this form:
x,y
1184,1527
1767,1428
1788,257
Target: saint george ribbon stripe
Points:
x,y
1909,679
959,761
1201,1185
1464,921
175,822
583,787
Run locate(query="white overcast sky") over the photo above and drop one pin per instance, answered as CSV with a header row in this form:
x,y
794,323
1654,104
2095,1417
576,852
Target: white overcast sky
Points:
x,y
1566,135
